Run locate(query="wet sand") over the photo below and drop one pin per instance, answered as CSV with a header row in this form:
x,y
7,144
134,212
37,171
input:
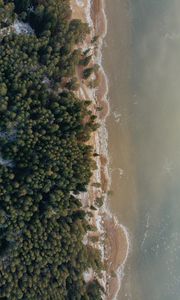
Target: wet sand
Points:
x,y
117,62
117,55
114,245
116,254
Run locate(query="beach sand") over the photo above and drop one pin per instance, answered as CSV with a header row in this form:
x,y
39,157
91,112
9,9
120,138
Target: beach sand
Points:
x,y
114,242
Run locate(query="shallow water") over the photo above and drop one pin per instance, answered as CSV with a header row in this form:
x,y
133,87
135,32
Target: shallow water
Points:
x,y
142,60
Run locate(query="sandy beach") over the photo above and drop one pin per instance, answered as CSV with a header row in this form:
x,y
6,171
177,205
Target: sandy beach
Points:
x,y
113,238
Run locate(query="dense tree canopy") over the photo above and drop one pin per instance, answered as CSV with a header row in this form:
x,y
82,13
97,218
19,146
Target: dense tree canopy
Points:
x,y
44,160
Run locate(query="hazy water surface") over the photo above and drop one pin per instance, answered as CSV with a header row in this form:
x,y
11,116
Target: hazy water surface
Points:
x,y
143,62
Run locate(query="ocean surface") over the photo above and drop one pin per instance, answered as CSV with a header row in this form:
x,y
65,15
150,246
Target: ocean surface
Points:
x,y
142,60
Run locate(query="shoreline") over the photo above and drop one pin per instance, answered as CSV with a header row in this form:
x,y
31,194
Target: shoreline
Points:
x,y
114,251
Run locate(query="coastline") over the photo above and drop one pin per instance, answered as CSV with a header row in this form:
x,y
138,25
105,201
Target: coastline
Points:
x,y
113,240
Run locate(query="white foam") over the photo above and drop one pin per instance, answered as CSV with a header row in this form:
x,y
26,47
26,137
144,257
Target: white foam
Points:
x,y
146,231
117,116
172,36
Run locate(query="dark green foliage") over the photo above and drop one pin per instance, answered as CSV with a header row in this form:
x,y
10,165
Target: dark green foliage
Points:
x,y
7,14
72,84
96,184
95,39
22,5
86,60
94,83
44,161
88,72
94,291
99,108
99,201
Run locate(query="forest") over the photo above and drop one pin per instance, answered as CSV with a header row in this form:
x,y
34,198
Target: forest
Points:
x,y
45,161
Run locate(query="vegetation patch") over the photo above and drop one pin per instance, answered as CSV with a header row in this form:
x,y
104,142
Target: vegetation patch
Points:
x,y
44,158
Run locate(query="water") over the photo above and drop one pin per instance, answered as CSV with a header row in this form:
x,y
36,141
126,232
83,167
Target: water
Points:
x,y
142,59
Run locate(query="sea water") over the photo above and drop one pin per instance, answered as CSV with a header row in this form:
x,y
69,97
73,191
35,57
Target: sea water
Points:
x,y
142,60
